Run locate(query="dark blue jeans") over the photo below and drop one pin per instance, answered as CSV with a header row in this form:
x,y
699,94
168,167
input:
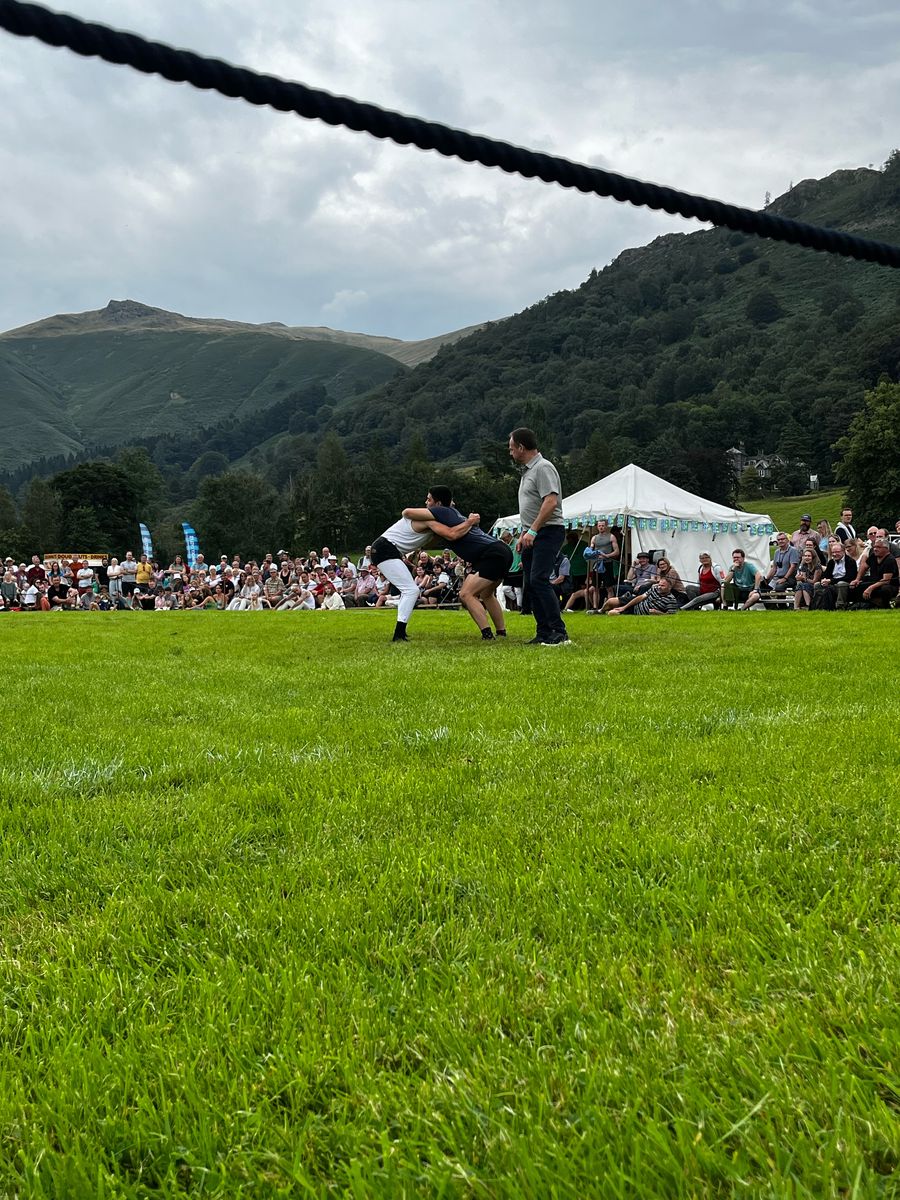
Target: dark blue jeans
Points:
x,y
537,567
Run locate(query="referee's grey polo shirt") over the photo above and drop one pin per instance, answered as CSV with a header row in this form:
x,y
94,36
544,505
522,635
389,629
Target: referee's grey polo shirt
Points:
x,y
540,479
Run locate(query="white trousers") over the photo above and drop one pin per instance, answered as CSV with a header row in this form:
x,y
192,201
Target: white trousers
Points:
x,y
396,572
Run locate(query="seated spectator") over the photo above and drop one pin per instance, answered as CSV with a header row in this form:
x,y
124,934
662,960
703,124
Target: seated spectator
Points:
x,y
809,572
348,587
638,579
331,601
30,597
9,592
740,580
876,584
710,577
665,570
366,587
832,590
780,575
812,543
384,591
560,576
56,594
437,589
273,588
657,601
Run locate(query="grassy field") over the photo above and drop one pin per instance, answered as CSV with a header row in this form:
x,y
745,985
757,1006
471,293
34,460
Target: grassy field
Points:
x,y
786,513
289,911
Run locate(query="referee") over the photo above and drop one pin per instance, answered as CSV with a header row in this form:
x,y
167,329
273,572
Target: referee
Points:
x,y
540,511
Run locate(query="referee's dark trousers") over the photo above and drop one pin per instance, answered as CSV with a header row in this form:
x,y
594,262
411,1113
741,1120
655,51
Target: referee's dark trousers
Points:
x,y
537,566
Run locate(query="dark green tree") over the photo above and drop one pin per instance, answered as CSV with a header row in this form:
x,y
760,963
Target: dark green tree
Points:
x,y
145,476
107,490
236,513
41,516
764,308
9,517
870,456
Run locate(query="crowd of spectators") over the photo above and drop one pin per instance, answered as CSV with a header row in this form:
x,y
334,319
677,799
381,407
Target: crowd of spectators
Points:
x,y
811,568
276,582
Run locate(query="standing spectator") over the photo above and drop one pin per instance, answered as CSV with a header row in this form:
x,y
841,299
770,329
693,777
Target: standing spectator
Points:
x,y
605,553
825,535
36,573
128,572
143,575
101,574
85,579
844,529
799,536
540,511
512,582
114,575
365,562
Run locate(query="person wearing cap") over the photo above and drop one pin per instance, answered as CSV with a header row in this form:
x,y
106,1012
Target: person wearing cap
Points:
x,y
638,580
799,536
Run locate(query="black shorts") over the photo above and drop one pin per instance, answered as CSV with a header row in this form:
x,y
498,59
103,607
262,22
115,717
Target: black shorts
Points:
x,y
494,563
382,550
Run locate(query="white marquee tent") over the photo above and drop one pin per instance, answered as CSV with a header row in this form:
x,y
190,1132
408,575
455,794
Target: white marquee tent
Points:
x,y
659,516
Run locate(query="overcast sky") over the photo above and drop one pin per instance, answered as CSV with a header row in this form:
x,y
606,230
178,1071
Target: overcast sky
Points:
x,y
119,186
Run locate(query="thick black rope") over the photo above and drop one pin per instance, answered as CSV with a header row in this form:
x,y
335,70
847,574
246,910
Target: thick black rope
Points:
x,y
183,66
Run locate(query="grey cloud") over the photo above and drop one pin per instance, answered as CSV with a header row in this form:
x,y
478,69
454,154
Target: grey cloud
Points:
x,y
119,185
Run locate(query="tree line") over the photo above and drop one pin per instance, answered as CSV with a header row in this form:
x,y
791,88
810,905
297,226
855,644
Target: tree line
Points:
x,y
308,495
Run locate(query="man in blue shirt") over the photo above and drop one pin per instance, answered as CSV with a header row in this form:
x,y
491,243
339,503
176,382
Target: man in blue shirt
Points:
x,y
489,558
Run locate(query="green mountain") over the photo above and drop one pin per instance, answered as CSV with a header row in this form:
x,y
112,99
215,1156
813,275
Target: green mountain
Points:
x,y
77,382
675,351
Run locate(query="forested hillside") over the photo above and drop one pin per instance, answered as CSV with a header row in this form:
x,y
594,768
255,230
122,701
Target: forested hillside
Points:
x,y
676,351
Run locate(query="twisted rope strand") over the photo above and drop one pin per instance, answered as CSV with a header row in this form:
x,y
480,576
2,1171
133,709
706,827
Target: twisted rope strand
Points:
x,y
92,40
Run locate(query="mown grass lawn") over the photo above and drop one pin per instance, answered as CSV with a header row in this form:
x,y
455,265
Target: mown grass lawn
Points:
x,y
286,910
